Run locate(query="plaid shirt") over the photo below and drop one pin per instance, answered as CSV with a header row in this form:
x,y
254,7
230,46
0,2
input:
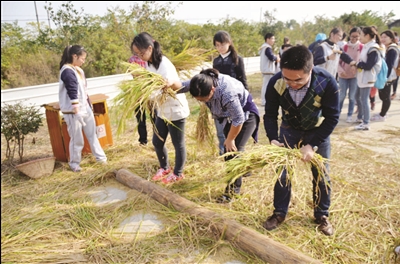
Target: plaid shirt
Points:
x,y
298,95
137,60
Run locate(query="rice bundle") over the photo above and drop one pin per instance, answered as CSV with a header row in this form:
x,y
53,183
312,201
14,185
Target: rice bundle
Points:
x,y
146,92
271,157
189,58
203,128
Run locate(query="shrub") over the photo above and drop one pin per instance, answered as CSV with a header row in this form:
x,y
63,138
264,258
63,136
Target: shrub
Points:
x,y
17,121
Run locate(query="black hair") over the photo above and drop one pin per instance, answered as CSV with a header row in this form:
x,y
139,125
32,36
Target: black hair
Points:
x,y
298,57
143,41
355,29
69,51
373,33
286,40
334,31
268,36
202,83
390,34
224,37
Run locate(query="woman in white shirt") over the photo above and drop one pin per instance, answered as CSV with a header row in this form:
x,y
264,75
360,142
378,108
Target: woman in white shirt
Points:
x,y
174,110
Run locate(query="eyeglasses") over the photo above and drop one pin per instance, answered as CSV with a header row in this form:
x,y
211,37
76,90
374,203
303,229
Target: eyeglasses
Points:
x,y
300,81
354,37
140,54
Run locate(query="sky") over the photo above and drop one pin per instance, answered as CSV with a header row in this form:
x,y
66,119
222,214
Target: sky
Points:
x,y
200,12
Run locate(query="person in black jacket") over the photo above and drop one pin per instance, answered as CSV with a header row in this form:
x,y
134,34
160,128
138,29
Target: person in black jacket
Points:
x,y
309,101
229,63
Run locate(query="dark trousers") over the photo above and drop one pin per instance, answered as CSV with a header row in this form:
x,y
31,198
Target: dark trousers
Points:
x,y
321,189
142,128
177,132
240,141
384,95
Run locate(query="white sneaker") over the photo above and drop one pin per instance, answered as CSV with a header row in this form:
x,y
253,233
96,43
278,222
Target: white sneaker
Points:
x,y
349,119
359,120
362,126
378,117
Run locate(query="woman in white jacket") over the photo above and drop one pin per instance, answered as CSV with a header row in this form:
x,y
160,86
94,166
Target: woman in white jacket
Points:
x,y
175,110
368,67
76,107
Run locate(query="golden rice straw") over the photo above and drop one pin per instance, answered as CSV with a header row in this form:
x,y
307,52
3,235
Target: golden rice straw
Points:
x,y
189,58
146,92
203,128
270,157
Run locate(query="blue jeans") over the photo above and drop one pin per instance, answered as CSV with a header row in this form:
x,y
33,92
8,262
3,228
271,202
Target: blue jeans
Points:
x,y
350,84
221,137
321,189
362,97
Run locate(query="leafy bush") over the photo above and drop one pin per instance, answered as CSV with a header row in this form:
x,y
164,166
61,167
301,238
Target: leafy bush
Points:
x,y
17,121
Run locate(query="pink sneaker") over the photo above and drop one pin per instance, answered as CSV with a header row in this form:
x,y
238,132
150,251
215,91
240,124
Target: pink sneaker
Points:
x,y
161,173
173,178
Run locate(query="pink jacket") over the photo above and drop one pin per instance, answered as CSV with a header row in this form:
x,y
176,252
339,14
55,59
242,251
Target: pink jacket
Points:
x,y
354,51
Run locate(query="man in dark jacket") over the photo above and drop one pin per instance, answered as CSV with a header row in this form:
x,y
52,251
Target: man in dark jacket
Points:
x,y
309,99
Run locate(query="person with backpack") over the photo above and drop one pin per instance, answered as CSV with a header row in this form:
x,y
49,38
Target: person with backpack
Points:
x,y
347,75
392,60
318,39
368,67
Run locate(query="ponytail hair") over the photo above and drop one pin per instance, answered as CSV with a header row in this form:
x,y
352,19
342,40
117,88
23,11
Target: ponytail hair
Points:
x,y
224,37
143,41
373,33
69,51
335,31
202,83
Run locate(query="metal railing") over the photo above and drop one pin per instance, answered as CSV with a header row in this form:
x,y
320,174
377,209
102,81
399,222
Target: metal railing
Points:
x,y
48,93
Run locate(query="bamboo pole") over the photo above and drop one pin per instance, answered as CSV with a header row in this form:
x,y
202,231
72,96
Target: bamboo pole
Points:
x,y
240,236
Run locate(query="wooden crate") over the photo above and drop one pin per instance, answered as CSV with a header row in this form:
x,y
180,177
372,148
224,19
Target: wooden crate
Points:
x,y
58,132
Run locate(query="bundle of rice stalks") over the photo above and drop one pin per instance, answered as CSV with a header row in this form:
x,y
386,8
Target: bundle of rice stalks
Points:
x,y
273,158
203,128
145,92
190,58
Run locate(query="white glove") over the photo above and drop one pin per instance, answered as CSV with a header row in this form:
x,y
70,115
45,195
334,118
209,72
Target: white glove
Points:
x,y
80,116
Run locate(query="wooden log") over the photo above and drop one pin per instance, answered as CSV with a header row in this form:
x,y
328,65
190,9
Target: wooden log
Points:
x,y
239,235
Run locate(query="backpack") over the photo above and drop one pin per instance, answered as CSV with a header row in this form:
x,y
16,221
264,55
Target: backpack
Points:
x,y
381,77
397,69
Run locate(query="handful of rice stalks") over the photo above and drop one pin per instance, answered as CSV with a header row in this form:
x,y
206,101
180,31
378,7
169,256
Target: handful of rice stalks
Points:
x,y
203,128
273,158
190,58
146,92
